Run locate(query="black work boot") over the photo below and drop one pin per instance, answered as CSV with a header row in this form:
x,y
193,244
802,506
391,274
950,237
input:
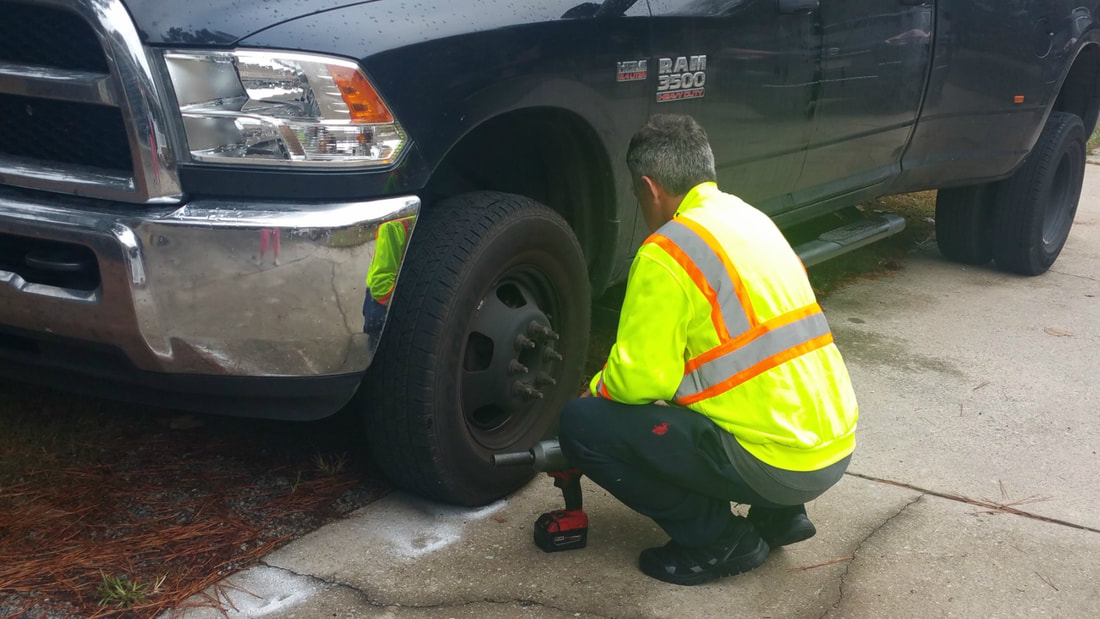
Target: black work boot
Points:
x,y
783,526
740,549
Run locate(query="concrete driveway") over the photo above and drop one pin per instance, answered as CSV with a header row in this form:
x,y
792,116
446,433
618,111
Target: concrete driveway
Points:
x,y
973,491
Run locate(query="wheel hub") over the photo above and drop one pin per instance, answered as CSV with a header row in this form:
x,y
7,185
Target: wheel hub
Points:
x,y
510,365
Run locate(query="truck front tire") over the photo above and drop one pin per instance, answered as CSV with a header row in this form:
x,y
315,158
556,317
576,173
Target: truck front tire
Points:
x,y
1036,206
484,343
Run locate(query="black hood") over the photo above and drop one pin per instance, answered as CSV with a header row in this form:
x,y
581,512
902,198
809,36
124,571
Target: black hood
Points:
x,y
218,22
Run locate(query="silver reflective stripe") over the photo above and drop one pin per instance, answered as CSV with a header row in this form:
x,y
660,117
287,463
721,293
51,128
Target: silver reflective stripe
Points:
x,y
712,268
764,347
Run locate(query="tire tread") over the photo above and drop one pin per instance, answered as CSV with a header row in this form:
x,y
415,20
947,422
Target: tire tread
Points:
x,y
1018,221
401,430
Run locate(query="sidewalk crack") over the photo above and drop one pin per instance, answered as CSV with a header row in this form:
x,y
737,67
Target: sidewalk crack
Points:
x,y
999,508
855,554
375,603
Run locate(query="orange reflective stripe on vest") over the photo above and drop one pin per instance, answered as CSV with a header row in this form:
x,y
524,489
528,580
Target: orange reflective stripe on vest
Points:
x,y
754,357
713,274
748,348
601,389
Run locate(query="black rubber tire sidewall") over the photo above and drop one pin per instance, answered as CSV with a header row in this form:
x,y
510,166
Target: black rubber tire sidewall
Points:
x,y
964,223
460,247
1018,245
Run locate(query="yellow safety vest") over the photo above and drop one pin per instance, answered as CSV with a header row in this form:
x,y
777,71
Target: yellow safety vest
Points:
x,y
389,248
720,317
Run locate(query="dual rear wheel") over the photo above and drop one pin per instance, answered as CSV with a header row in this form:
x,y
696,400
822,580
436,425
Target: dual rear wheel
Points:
x,y
1021,223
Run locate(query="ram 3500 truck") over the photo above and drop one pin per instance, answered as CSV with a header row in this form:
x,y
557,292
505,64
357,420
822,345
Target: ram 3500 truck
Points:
x,y
266,208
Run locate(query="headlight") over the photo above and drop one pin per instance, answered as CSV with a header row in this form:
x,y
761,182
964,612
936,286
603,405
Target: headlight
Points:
x,y
283,108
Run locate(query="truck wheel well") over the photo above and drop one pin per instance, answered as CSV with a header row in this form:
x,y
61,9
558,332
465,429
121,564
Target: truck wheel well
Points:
x,y
1080,92
547,154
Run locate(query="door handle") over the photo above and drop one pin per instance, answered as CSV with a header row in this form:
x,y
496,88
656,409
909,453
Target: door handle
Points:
x,y
789,7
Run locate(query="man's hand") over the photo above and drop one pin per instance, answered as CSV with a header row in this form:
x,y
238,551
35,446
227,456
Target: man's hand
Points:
x,y
587,393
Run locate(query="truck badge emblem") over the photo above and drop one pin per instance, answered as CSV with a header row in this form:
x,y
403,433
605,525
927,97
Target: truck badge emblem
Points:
x,y
632,71
683,77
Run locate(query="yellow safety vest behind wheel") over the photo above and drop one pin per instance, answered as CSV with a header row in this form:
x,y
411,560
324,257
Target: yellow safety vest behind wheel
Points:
x,y
719,317
389,249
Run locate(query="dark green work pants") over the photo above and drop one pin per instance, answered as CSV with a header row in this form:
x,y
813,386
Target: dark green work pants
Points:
x,y
664,462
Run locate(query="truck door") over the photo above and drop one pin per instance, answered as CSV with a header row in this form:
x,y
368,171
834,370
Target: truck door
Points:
x,y
875,61
745,70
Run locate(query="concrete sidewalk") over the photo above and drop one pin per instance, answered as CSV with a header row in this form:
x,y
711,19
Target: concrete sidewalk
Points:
x,y
979,395
894,552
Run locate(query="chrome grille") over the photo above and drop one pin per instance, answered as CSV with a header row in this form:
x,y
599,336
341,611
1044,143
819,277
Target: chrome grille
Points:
x,y
48,37
81,109
78,134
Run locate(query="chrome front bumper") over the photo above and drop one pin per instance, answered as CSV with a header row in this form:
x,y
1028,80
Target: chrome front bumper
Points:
x,y
185,290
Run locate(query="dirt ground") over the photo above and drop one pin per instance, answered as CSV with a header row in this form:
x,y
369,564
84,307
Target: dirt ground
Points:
x,y
111,509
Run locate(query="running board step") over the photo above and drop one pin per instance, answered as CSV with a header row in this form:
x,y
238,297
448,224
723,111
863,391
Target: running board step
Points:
x,y
847,238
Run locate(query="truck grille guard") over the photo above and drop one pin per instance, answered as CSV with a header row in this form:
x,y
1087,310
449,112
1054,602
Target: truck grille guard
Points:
x,y
112,138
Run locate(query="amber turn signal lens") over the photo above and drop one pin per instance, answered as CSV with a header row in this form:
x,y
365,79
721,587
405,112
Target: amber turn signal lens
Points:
x,y
270,107
364,105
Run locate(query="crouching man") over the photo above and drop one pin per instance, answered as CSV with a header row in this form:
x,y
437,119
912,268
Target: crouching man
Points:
x,y
720,322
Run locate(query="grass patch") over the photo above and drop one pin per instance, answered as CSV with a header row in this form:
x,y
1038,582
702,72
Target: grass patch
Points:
x,y
330,464
123,592
1093,143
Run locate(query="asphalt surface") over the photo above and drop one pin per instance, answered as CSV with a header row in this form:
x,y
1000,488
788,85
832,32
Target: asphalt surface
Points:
x,y
972,491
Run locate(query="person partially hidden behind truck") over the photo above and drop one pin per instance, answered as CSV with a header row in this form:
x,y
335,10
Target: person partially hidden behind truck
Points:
x,y
389,249
720,322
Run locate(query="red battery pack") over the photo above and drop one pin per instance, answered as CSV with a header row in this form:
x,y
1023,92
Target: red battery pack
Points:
x,y
562,530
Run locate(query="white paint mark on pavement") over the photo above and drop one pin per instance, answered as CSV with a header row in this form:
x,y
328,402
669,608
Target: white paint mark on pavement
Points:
x,y
423,528
256,592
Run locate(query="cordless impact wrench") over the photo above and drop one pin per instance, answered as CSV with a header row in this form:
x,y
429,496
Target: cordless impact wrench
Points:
x,y
561,529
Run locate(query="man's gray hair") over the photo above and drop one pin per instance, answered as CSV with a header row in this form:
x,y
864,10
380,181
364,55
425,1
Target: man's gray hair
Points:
x,y
673,150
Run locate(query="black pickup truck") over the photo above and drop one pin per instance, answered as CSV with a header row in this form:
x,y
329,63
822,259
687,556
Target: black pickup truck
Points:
x,y
208,203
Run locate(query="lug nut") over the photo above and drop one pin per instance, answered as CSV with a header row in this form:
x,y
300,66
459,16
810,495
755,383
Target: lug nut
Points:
x,y
527,391
522,341
549,354
515,367
536,329
545,379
